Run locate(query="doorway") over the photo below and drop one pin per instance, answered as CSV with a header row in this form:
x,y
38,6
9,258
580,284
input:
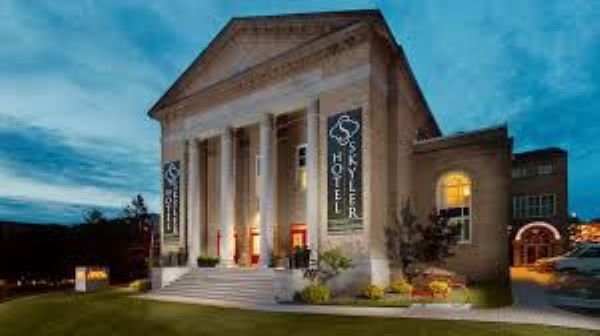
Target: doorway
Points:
x,y
535,241
297,236
254,247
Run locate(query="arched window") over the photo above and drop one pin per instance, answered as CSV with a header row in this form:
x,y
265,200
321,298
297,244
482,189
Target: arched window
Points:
x,y
454,201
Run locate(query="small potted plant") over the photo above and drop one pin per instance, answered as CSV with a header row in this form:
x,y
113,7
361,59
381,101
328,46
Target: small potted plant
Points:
x,y
207,261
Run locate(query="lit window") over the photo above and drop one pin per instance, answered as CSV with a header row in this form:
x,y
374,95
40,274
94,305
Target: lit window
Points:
x,y
454,201
301,167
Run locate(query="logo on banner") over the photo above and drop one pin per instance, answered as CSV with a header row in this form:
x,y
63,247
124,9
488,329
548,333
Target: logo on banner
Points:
x,y
344,173
171,195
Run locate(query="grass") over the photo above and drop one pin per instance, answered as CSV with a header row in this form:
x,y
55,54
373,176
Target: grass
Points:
x,y
490,295
113,312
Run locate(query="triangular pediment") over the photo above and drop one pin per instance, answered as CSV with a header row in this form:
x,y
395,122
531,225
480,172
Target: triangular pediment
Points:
x,y
248,41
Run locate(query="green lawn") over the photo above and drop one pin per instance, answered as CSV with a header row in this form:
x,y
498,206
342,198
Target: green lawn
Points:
x,y
113,312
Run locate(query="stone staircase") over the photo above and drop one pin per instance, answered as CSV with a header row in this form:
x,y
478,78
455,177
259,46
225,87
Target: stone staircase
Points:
x,y
237,285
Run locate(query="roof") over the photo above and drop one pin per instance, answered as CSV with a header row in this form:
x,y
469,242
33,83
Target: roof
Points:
x,y
542,152
348,16
493,133
340,19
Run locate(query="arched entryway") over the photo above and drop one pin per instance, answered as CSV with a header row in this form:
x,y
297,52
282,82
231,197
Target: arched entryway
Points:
x,y
535,241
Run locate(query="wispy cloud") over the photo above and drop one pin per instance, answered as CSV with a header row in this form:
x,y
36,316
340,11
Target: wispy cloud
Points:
x,y
76,79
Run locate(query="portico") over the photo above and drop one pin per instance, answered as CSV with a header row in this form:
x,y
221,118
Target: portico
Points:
x,y
248,181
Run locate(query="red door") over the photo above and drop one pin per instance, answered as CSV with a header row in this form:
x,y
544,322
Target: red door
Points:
x,y
254,247
298,236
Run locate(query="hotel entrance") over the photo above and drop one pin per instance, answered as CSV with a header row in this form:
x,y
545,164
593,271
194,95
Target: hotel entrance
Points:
x,y
254,247
298,236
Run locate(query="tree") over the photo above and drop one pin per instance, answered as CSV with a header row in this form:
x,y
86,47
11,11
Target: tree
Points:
x,y
137,209
402,239
438,238
93,216
408,242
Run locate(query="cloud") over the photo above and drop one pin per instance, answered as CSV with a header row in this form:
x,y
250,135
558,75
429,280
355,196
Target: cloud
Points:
x,y
47,211
76,80
532,64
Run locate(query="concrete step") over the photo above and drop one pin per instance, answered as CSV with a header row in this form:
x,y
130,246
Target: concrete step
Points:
x,y
216,294
226,296
228,284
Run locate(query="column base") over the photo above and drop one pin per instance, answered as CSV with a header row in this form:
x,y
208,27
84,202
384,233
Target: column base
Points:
x,y
227,264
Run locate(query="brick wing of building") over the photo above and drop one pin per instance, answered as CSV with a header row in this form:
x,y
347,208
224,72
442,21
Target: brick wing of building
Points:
x,y
311,130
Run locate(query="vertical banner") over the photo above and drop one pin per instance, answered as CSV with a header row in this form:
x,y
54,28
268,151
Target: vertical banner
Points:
x,y
171,194
344,172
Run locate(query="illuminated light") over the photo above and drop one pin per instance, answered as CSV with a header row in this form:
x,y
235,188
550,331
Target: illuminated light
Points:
x,y
303,179
97,275
80,275
456,190
467,190
552,229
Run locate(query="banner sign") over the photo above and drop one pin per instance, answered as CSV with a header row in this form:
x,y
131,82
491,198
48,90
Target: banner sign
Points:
x,y
171,194
344,172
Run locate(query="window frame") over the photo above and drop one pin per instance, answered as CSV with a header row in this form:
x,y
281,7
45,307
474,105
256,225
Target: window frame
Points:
x,y
441,203
533,206
545,169
299,169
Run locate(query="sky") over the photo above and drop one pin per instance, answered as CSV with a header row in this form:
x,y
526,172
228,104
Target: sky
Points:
x,y
77,78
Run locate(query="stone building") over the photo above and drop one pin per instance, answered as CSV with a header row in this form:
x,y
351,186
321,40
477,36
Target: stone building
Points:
x,y
311,130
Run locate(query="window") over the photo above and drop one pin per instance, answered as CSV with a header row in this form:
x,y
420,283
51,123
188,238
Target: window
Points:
x,y
592,252
301,167
534,206
454,201
257,179
545,169
519,172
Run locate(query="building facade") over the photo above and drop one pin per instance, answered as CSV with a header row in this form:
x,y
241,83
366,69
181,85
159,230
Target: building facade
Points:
x,y
540,205
311,130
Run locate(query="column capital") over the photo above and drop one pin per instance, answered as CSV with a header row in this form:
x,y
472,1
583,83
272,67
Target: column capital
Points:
x,y
266,120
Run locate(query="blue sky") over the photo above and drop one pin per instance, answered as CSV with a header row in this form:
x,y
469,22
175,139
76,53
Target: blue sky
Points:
x,y
77,77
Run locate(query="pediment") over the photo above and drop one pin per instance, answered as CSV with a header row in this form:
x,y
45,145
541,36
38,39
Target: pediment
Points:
x,y
249,41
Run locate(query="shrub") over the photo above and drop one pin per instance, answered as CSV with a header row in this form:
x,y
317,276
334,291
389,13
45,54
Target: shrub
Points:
x,y
401,286
207,261
3,289
440,288
141,286
372,292
335,260
315,294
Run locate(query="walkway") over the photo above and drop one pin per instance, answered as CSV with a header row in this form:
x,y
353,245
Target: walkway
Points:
x,y
530,308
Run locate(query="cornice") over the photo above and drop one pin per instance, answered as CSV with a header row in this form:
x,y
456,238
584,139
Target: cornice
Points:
x,y
274,69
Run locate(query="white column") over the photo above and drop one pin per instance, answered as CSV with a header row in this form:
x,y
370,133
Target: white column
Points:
x,y
312,178
266,198
193,188
227,199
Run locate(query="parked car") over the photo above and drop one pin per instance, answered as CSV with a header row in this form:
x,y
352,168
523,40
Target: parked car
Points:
x,y
576,291
584,258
